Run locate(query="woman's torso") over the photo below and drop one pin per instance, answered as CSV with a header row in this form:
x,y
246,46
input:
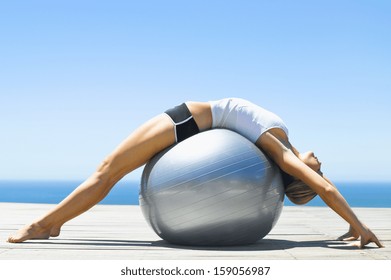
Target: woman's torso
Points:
x,y
245,118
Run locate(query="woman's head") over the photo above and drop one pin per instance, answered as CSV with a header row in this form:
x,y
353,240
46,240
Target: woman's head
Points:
x,y
311,160
296,190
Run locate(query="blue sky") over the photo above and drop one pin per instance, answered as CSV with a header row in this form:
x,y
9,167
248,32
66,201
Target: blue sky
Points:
x,y
76,77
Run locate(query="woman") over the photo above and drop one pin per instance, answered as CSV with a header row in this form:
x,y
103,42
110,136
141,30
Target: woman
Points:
x,y
260,126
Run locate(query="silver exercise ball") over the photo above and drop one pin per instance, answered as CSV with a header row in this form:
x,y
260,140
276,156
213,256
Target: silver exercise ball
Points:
x,y
213,189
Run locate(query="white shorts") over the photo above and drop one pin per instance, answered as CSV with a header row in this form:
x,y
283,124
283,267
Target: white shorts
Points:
x,y
244,117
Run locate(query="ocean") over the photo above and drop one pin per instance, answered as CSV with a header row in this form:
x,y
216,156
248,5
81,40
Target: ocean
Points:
x,y
357,194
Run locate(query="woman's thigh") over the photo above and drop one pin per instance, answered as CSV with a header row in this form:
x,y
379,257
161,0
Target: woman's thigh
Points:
x,y
139,147
149,139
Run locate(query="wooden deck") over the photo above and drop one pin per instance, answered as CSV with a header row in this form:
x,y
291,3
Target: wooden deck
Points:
x,y
109,232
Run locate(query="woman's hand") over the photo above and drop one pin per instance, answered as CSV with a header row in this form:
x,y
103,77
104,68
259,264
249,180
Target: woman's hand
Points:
x,y
367,236
351,235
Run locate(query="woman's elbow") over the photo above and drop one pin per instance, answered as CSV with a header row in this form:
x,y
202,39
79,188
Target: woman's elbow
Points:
x,y
327,192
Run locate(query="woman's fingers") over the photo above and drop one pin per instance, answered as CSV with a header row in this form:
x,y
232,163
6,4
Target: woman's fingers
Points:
x,y
342,237
376,241
367,238
373,238
347,237
351,238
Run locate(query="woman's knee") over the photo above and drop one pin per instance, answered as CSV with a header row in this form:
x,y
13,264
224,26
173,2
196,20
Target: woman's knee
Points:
x,y
107,170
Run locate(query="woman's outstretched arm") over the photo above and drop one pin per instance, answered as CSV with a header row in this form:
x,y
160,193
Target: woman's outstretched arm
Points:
x,y
351,234
292,165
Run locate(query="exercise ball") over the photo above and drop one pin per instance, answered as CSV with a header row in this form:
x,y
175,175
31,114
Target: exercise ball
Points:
x,y
215,188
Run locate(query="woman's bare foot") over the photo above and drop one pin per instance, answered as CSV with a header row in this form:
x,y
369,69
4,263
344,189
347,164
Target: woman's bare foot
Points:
x,y
33,231
55,231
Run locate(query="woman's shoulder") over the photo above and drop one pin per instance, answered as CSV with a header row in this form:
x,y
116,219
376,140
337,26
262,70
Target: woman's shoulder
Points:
x,y
233,101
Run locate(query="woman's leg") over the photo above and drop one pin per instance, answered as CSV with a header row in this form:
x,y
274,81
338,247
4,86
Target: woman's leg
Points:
x,y
136,150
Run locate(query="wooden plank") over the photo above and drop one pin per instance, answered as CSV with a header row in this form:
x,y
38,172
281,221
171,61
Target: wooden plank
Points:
x,y
114,232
